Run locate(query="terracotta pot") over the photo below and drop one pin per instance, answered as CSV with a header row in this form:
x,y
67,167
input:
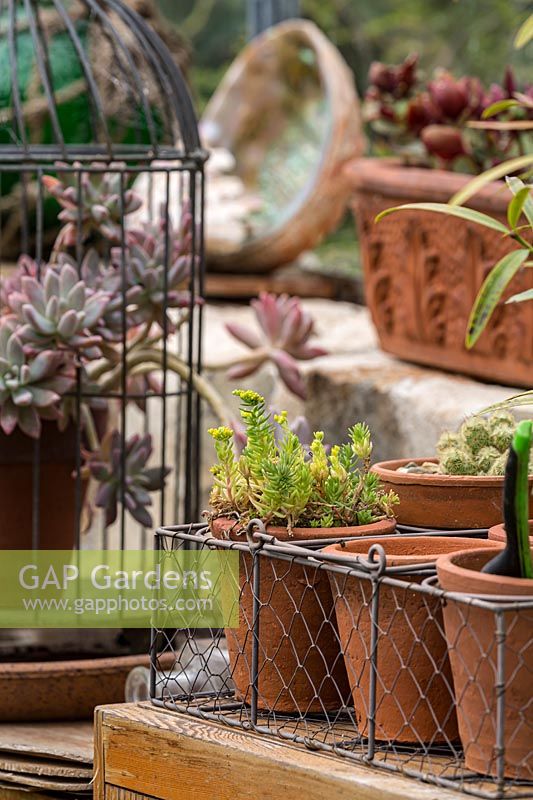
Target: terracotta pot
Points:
x,y
63,690
472,636
414,700
423,271
497,533
449,502
301,668
57,506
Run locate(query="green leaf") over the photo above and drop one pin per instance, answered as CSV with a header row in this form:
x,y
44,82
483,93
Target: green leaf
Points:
x,y
493,174
516,186
498,107
467,214
521,297
516,206
490,293
525,33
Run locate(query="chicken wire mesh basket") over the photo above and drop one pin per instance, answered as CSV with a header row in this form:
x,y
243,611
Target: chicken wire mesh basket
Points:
x,y
101,258
353,652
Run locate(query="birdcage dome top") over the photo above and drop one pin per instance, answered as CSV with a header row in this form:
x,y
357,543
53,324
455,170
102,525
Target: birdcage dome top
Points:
x,y
89,80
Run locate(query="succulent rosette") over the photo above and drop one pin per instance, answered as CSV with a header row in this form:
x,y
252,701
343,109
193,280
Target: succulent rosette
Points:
x,y
94,201
58,310
106,468
285,329
31,387
158,267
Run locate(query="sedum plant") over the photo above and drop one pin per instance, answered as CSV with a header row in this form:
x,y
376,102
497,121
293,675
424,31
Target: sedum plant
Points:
x,y
284,482
480,446
97,318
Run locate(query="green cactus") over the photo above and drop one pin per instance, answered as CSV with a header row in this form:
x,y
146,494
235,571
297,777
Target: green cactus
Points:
x,y
458,461
447,441
475,434
498,466
479,447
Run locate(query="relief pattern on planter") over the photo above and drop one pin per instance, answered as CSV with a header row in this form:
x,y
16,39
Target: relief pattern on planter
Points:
x,y
422,273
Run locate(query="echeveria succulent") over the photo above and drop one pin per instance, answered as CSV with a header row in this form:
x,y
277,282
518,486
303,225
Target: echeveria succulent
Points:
x,y
156,279
58,310
30,387
283,338
94,205
139,479
104,278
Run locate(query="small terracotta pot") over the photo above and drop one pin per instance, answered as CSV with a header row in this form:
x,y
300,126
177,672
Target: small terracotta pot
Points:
x,y
414,699
449,502
423,270
472,636
497,533
301,668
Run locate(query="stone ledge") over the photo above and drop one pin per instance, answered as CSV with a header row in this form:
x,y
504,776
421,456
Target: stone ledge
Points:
x,y
406,406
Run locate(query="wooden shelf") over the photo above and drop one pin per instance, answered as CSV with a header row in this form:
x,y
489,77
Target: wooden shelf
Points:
x,y
144,752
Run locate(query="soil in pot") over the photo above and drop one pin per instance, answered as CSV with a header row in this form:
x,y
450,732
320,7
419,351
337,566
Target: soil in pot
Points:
x,y
448,502
497,533
471,633
414,697
301,668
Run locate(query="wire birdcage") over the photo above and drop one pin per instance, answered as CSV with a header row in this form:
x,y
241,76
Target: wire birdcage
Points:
x,y
101,258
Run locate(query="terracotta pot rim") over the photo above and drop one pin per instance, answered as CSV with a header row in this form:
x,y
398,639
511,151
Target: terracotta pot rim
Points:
x,y
388,471
14,670
401,542
375,528
449,564
391,177
497,532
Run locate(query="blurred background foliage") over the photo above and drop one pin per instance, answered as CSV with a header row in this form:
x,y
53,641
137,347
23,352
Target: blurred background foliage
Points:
x,y
465,36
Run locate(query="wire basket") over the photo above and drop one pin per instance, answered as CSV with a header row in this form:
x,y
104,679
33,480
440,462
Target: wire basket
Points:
x,y
366,660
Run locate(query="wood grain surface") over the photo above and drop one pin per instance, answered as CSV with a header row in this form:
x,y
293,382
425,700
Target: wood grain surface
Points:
x,y
143,751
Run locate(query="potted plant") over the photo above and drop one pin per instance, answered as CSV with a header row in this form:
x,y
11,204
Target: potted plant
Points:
x,y
414,701
462,487
490,643
423,271
301,493
62,329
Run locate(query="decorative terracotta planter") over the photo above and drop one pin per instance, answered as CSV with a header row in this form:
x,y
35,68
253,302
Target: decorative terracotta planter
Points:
x,y
414,702
423,271
301,668
472,636
448,502
497,533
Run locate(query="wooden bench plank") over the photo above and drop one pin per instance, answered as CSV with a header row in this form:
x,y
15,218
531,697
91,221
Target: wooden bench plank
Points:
x,y
169,756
